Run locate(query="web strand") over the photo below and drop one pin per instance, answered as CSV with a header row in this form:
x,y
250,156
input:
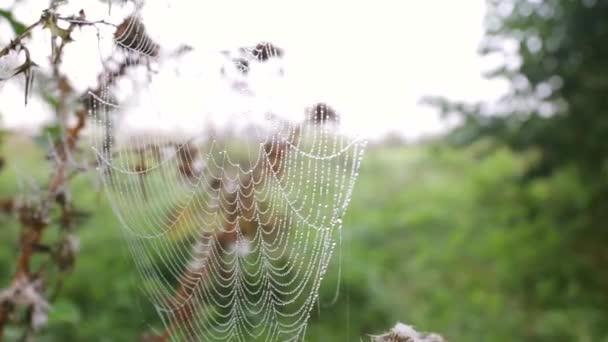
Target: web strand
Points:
x,y
231,235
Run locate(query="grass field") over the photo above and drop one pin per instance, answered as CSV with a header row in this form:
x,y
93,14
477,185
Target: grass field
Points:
x,y
432,238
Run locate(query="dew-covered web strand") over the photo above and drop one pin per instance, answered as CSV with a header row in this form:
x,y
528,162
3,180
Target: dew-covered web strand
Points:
x,y
227,250
280,190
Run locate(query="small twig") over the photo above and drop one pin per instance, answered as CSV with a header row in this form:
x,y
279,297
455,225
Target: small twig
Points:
x,y
34,219
16,41
81,22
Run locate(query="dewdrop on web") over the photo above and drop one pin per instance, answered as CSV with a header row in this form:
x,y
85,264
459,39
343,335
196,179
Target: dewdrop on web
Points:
x,y
215,173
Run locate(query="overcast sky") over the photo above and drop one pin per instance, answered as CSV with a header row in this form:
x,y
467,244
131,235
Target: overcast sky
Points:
x,y
371,60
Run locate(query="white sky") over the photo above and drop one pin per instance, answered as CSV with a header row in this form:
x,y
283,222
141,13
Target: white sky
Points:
x,y
371,60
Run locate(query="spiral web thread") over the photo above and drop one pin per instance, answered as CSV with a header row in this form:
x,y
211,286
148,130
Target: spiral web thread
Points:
x,y
231,235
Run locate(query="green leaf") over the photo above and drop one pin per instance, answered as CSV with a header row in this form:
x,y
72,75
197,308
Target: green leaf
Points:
x,y
57,31
48,134
17,26
64,311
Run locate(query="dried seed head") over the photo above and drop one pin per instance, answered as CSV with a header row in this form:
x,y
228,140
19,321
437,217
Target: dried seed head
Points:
x,y
215,184
242,65
264,51
131,34
406,333
188,157
39,318
66,253
322,113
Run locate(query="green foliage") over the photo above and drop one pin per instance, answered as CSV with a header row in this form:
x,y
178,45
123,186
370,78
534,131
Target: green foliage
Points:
x,y
17,26
557,102
452,242
447,240
555,116
501,240
48,134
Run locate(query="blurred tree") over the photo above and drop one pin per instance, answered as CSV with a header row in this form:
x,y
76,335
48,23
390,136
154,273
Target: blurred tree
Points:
x,y
555,57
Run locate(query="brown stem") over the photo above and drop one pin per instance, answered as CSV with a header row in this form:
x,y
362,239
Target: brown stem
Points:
x,y
7,205
33,219
4,316
223,239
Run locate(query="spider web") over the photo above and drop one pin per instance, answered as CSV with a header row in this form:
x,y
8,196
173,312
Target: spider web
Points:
x,y
231,229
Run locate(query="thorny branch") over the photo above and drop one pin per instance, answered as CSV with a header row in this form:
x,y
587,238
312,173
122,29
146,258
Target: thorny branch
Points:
x,y
17,41
28,286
